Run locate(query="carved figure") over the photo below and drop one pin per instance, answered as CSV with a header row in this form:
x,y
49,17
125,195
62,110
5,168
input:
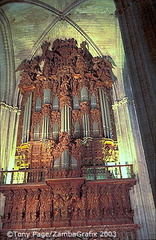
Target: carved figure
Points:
x,y
103,70
58,204
81,65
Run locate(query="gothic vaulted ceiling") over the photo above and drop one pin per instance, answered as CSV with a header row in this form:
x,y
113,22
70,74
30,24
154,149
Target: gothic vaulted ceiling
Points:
x,y
34,21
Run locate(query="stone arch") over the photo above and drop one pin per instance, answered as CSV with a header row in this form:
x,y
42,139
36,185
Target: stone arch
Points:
x,y
9,111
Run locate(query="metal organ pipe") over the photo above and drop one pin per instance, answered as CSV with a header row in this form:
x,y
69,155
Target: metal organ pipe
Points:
x,y
55,131
63,126
45,128
84,129
48,127
109,119
65,159
45,123
26,118
26,121
24,125
69,119
65,119
86,125
62,119
36,131
105,111
102,112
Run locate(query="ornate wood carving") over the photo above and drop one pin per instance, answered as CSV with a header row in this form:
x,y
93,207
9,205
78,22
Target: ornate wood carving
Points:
x,y
68,202
32,210
65,198
69,69
46,215
64,69
6,219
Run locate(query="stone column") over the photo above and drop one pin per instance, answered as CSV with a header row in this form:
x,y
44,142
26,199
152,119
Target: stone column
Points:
x,y
9,125
131,152
136,19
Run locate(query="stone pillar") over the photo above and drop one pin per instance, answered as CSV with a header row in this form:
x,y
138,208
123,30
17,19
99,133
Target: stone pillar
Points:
x,y
131,152
9,125
136,19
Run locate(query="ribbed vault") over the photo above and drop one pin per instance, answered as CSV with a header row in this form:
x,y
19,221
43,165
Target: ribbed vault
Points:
x,y
73,14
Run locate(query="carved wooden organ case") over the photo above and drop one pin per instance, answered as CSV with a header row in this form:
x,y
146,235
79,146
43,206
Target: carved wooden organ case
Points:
x,y
66,126
66,117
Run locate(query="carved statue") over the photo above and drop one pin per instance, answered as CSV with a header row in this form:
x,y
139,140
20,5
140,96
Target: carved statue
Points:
x,y
58,207
81,65
103,70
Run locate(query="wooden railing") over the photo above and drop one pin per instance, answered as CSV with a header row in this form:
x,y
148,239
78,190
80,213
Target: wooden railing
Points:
x,y
90,173
108,172
22,176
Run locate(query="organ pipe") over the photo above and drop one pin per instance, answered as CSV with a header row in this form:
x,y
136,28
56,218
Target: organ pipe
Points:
x,y
26,120
38,105
86,125
102,112
65,159
37,131
29,116
105,112
45,128
47,99
55,131
66,119
24,124
109,119
62,119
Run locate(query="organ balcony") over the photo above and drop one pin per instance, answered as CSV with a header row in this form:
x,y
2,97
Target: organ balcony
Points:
x,y
104,173
67,171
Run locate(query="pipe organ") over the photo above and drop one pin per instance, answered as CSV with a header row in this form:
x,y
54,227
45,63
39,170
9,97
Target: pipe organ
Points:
x,y
27,119
66,91
66,138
